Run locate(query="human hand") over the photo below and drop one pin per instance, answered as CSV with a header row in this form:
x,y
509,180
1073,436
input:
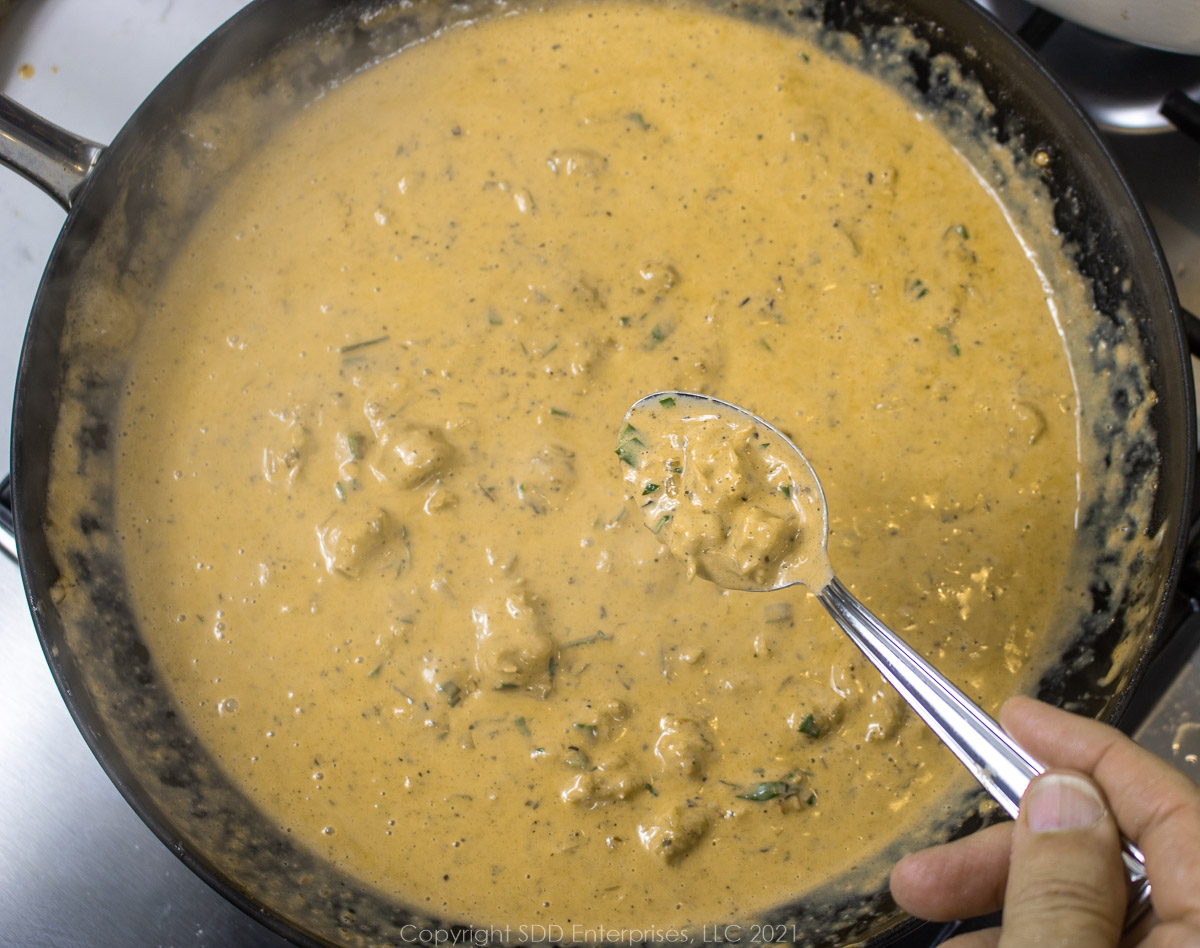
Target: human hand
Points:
x,y
1056,871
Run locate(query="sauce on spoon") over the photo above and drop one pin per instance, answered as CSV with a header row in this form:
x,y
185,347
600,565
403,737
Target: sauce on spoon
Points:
x,y
729,495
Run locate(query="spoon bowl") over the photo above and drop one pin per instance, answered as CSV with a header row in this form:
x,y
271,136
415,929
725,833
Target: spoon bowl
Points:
x,y
729,494
739,504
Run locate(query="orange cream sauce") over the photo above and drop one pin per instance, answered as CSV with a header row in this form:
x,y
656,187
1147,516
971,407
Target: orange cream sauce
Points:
x,y
377,530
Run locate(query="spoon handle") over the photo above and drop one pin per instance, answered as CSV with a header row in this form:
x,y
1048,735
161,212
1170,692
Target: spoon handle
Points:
x,y
996,761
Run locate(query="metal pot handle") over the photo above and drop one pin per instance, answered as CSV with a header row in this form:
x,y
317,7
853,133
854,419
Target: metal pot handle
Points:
x,y
8,540
59,163
55,160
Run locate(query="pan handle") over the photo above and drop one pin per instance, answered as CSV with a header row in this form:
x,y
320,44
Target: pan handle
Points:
x,y
8,539
55,160
59,163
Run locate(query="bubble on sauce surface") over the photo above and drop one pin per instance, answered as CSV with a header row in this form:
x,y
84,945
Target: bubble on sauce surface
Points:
x,y
1186,743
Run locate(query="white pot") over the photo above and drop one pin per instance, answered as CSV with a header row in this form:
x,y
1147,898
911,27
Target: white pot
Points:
x,y
1166,24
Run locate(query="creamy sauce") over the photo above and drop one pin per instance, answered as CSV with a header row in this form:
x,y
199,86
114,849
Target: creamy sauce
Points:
x,y
375,527
726,493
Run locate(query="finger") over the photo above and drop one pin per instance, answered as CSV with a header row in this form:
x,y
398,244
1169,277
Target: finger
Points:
x,y
1154,804
961,879
1066,883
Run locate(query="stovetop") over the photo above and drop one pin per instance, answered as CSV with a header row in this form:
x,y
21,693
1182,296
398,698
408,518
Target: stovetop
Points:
x,y
77,866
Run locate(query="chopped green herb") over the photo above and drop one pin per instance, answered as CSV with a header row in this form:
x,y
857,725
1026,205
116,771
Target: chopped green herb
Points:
x,y
767,790
766,345
649,489
494,318
559,412
786,490
629,445
521,726
961,230
650,789
374,672
625,320
405,557
340,491
917,289
638,120
667,402
351,347
589,729
657,335
778,612
612,521
355,443
627,452
809,726
662,522
588,640
954,347
452,692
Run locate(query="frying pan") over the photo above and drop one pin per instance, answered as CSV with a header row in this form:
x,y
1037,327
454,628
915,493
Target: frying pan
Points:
x,y
103,668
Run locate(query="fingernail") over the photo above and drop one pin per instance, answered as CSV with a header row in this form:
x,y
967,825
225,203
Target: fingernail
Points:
x,y
1061,802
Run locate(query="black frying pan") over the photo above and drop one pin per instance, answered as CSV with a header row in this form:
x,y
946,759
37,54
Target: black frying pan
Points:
x,y
104,670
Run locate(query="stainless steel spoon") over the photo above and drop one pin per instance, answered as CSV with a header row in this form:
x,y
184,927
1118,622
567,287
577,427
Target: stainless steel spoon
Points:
x,y
996,761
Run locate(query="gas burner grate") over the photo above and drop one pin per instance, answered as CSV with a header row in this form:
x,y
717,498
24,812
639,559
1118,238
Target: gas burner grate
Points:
x,y
1124,87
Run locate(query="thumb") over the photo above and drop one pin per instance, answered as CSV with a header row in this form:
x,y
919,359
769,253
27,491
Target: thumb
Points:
x,y
1065,880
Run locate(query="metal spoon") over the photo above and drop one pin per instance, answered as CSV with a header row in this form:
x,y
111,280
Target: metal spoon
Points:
x,y
995,760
